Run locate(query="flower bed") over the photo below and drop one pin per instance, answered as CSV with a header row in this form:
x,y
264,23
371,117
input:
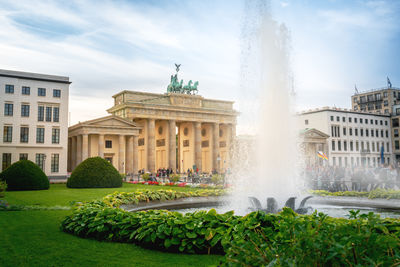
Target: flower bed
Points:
x,y
183,184
377,193
257,239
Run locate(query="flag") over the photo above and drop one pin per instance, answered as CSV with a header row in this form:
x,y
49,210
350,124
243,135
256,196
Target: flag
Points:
x,y
322,155
382,157
388,82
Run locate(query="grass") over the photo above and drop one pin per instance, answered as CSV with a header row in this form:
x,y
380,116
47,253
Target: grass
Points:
x,y
33,237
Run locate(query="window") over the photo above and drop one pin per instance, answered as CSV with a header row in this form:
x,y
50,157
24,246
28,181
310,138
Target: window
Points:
x,y
48,113
366,121
373,147
381,133
362,99
24,136
372,132
8,109
397,111
55,162
40,158
343,119
396,145
350,119
7,134
337,118
40,113
381,122
372,121
361,120
387,147
56,93
345,145
395,122
41,91
385,94
376,122
377,96
26,90
351,145
9,89
344,130
366,132
396,132
333,145
55,136
387,133
6,162
108,144
357,147
39,135
355,120
306,122
385,103
361,132
23,156
386,123
339,145
355,99
356,132
376,133
351,131
56,114
386,111
331,118
24,110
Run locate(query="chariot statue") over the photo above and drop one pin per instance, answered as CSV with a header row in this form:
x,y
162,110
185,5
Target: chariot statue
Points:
x,y
178,87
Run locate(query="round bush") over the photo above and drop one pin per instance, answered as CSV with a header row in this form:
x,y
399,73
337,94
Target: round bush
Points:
x,y
95,173
25,175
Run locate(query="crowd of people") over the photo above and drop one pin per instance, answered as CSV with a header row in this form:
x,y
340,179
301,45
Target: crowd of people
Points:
x,y
357,178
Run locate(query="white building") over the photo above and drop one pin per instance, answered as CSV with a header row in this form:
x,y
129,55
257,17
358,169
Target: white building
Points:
x,y
34,120
356,138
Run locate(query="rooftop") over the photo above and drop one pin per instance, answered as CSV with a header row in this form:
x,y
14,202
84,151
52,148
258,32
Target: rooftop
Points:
x,y
345,110
34,76
376,90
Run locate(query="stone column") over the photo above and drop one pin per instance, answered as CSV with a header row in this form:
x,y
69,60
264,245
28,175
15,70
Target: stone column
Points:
x,y
73,153
135,162
121,155
197,145
172,145
129,155
85,147
101,145
78,150
215,150
151,148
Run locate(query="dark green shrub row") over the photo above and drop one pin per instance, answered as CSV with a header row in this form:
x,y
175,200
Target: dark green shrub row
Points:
x,y
377,193
3,187
24,175
256,239
95,172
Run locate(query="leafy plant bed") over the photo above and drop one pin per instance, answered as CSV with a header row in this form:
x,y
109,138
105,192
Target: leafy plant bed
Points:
x,y
256,239
377,193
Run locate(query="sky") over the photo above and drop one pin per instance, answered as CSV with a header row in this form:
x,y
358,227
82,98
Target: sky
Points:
x,y
109,46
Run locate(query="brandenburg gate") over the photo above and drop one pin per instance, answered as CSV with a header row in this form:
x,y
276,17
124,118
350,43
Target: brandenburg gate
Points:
x,y
178,130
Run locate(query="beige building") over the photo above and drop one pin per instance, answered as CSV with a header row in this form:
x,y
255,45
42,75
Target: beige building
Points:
x,y
34,120
152,131
313,141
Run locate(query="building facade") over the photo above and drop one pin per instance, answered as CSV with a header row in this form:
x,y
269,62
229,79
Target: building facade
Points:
x,y
355,138
34,118
171,130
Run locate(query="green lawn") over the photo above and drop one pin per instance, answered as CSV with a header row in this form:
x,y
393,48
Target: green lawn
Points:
x,y
33,238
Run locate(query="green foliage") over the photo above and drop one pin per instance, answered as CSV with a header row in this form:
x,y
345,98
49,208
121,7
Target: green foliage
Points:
x,y
94,173
3,187
257,239
175,177
217,179
146,176
377,193
24,175
289,239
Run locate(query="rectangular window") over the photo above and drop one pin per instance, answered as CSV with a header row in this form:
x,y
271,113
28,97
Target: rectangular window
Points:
x,y
386,123
40,113
55,136
350,119
396,145
306,122
396,132
377,96
56,114
382,133
39,135
356,132
55,162
56,93
26,90
351,131
351,145
366,121
366,132
381,122
24,136
108,144
343,119
24,110
339,145
387,147
333,145
373,147
372,132
362,99
361,132
355,120
357,147
345,145
376,122
9,89
40,160
387,133
6,162
8,109
331,118
332,130
385,94
41,91
48,113
376,133
372,121
23,156
361,120
344,130
7,134
337,118
385,103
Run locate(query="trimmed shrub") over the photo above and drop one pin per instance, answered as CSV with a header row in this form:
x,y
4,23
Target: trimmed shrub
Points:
x,y
3,187
95,173
24,175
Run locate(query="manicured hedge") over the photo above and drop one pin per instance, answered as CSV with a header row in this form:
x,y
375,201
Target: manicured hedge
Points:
x,y
25,175
95,173
257,239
